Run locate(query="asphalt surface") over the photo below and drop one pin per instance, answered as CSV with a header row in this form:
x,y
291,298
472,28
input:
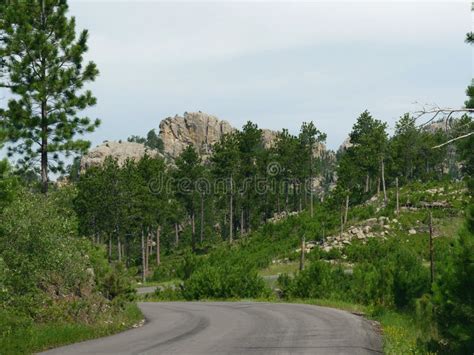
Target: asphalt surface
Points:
x,y
238,328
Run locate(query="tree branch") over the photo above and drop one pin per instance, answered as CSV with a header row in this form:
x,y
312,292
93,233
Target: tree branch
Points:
x,y
454,139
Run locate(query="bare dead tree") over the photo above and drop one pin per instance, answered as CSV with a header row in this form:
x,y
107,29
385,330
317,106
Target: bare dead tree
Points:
x,y
432,112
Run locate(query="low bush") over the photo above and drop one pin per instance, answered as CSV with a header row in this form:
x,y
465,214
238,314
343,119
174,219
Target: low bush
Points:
x,y
227,281
387,274
319,280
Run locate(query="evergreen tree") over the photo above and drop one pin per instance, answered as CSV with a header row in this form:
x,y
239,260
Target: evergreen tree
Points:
x,y
309,136
225,165
188,171
42,65
404,148
364,159
153,141
287,147
250,152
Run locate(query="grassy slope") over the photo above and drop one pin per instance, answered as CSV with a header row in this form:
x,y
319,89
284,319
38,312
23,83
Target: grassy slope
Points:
x,y
41,337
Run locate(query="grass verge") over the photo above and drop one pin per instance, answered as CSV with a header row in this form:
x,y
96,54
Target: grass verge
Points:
x,y
39,337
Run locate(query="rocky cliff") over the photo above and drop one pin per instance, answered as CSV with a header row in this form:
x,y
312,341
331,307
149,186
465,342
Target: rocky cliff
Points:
x,y
196,128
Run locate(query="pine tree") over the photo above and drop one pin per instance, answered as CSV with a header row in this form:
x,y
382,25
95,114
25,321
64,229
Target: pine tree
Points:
x,y
309,136
362,162
404,148
42,65
251,149
188,171
225,165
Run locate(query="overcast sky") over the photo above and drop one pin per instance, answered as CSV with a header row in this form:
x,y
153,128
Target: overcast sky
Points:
x,y
274,63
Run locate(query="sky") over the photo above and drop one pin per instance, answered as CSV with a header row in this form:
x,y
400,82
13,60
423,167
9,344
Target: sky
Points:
x,y
276,64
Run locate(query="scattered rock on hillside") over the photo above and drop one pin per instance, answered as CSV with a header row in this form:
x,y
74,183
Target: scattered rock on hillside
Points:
x,y
435,204
280,216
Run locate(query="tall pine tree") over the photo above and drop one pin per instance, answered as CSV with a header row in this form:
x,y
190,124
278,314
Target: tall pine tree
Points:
x,y
42,65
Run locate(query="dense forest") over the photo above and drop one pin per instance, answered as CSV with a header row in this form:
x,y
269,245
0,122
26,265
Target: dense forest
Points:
x,y
72,250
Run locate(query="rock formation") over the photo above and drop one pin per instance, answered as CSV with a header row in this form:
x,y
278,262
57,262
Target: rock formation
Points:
x,y
117,150
196,128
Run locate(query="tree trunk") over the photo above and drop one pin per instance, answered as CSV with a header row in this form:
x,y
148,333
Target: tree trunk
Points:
x,y
397,197
241,221
202,218
342,223
300,194
378,186
44,148
311,184
147,251
119,248
303,250
347,209
193,236
383,184
110,248
143,257
278,198
367,178
176,243
431,250
231,222
158,232
305,194
295,196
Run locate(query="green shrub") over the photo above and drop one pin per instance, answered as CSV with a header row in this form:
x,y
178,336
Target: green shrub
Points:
x,y
168,294
388,274
117,284
188,265
454,296
319,280
373,284
226,281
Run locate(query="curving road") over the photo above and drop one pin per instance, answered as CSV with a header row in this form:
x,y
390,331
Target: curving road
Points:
x,y
238,328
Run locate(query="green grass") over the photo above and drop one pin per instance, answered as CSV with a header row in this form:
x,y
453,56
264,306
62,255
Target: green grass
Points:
x,y
283,268
400,333
449,227
41,337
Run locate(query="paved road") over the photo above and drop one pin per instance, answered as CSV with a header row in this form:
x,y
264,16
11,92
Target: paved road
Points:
x,y
238,328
